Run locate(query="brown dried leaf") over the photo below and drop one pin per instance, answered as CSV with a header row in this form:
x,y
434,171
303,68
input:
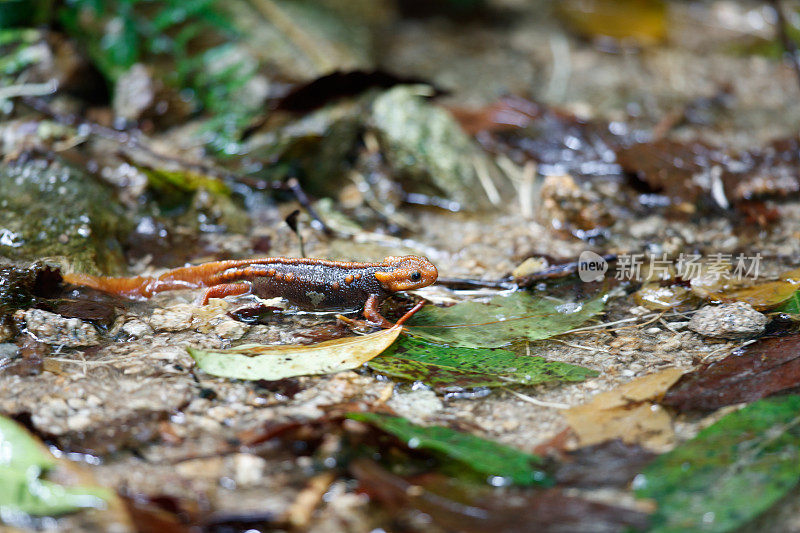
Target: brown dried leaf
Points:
x,y
627,413
768,366
487,510
610,464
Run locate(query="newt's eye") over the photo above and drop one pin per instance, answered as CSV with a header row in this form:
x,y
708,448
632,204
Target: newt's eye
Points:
x,y
415,276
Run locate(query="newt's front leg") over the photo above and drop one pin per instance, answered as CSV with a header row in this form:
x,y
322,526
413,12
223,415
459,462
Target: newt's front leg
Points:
x,y
225,289
373,314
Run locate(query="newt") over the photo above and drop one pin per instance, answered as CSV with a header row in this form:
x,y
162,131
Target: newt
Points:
x,y
314,284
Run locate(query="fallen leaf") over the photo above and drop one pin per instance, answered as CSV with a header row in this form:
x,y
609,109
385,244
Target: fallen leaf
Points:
x,y
644,23
648,387
609,464
627,413
698,175
446,368
490,458
23,491
758,370
730,472
258,361
505,319
761,297
467,509
764,296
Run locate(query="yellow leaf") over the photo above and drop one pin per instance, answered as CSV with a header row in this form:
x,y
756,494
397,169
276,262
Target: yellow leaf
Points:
x,y
258,361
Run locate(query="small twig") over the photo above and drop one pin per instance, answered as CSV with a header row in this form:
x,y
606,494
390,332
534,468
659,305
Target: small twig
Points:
x,y
485,179
788,44
534,401
28,89
580,346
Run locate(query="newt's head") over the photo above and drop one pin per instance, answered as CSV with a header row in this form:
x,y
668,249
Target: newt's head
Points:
x,y
406,273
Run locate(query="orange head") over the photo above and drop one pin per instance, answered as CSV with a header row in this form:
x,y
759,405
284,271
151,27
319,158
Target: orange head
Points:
x,y
406,273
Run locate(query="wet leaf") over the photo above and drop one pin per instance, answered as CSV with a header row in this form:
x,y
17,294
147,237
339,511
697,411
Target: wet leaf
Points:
x,y
701,176
483,456
23,491
764,296
730,473
609,464
459,508
641,21
758,370
505,319
559,142
338,84
446,368
627,413
790,306
258,361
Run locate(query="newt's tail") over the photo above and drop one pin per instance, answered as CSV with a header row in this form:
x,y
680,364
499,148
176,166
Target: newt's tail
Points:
x,y
191,277
134,288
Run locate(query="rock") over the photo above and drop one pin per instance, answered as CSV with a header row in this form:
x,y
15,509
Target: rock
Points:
x,y
728,321
425,145
50,209
136,328
174,318
56,330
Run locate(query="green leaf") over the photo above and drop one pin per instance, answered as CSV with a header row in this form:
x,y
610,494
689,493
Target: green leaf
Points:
x,y
730,472
790,306
483,456
23,461
505,319
445,367
257,361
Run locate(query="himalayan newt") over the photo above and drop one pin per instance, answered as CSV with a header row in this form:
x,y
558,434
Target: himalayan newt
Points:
x,y
314,284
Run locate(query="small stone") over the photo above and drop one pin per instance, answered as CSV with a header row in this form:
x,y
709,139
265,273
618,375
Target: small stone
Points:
x,y
136,328
248,469
175,318
56,330
6,332
728,321
416,405
79,421
230,329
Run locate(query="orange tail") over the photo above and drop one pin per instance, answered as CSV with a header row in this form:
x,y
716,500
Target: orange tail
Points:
x,y
127,287
191,277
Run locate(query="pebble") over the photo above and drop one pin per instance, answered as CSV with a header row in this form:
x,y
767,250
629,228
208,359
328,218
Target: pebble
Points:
x,y
56,330
175,318
728,321
136,328
416,405
248,469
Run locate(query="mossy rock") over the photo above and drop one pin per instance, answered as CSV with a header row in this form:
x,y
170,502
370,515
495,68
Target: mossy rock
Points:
x,y
48,209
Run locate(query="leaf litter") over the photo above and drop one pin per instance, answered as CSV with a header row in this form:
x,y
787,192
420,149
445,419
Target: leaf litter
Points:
x,y
730,472
503,320
629,412
766,367
493,460
23,489
447,368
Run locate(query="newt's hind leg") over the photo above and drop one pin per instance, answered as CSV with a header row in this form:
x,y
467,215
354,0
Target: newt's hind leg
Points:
x,y
225,289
